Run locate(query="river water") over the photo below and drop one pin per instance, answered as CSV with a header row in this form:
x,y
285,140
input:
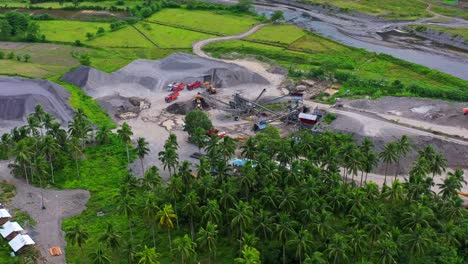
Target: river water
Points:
x,y
422,52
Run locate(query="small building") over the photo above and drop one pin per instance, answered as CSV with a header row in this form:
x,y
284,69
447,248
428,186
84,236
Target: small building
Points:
x,y
20,243
308,118
9,230
4,216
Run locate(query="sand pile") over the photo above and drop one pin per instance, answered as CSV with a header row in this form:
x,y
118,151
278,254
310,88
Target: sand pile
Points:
x,y
142,77
19,96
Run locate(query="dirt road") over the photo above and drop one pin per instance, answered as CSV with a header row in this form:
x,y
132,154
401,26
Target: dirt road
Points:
x,y
198,46
59,205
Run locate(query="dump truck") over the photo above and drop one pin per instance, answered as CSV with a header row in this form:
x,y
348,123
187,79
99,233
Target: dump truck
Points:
x,y
194,85
177,88
171,97
465,111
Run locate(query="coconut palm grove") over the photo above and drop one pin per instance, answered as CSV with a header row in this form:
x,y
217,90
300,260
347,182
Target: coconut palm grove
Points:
x,y
298,199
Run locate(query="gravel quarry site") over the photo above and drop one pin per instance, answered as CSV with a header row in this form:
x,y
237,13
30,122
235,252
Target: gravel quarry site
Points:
x,y
19,96
287,93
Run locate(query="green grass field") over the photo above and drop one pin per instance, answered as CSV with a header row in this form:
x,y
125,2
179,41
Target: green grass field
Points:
x,y
170,37
46,59
127,37
282,34
69,31
214,21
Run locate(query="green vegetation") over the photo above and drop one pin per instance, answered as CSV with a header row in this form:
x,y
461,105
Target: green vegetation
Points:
x,y
293,200
18,27
170,37
361,72
127,37
278,34
80,100
7,190
329,118
450,11
221,22
69,31
463,32
396,9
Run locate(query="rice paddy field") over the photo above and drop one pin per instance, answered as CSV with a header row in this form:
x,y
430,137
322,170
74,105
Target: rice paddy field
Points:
x,y
221,22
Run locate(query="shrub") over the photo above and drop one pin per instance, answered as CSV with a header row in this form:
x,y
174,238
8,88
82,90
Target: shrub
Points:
x,y
120,3
197,119
78,43
100,31
2,55
11,55
329,118
85,59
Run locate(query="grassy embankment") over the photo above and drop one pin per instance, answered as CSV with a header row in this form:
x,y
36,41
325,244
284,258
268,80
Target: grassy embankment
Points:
x,y
396,9
310,52
458,31
56,5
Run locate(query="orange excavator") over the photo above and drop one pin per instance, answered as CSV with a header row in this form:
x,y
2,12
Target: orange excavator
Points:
x,y
209,88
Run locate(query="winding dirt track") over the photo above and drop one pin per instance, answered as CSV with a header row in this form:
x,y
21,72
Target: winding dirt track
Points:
x,y
198,46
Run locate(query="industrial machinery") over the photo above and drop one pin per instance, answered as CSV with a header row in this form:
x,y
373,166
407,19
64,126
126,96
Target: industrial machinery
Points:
x,y
176,87
209,88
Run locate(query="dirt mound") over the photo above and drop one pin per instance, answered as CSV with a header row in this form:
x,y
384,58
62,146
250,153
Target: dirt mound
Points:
x,y
183,108
123,107
19,96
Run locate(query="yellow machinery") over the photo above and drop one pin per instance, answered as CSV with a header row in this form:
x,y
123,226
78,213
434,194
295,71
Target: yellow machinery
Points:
x,y
209,88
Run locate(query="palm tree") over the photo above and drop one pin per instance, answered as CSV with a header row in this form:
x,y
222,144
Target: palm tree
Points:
x,y
207,239
77,236
249,149
185,248
142,150
438,164
284,228
80,127
76,152
169,158
150,210
417,242
148,256
370,160
99,257
23,155
337,250
452,184
263,223
303,243
111,238
50,148
126,206
404,146
211,212
192,208
386,251
250,255
125,133
418,216
151,180
227,148
389,155
165,216
185,173
103,135
242,216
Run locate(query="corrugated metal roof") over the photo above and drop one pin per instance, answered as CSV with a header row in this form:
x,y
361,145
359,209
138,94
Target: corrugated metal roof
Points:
x,y
20,241
4,213
10,227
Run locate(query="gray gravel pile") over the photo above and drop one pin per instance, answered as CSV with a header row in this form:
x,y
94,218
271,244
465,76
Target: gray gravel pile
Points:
x,y
19,96
144,78
434,111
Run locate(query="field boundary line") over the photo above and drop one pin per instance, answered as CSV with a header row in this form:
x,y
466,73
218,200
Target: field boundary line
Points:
x,y
146,37
184,27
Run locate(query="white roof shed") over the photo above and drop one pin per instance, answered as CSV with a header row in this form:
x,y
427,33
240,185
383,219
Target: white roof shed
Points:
x,y
20,241
4,213
10,227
